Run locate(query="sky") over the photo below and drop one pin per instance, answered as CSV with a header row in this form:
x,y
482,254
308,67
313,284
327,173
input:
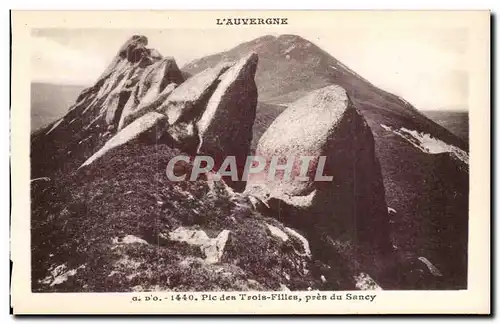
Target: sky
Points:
x,y
427,67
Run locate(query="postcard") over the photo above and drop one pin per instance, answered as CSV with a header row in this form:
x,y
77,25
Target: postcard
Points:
x,y
250,162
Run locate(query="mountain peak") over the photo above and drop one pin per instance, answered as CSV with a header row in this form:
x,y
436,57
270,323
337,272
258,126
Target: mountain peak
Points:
x,y
291,37
129,49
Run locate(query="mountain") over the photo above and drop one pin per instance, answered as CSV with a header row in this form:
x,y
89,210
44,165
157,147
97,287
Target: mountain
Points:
x,y
110,214
50,102
290,67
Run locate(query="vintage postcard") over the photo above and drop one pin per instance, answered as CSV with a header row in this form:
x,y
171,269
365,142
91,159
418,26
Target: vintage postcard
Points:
x,y
263,162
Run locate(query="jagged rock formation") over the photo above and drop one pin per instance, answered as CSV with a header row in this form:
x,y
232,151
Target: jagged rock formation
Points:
x,y
158,79
149,127
97,112
352,206
189,99
187,102
225,128
140,85
212,113
113,89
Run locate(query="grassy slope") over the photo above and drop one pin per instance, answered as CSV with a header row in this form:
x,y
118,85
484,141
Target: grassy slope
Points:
x,y
456,122
50,102
76,216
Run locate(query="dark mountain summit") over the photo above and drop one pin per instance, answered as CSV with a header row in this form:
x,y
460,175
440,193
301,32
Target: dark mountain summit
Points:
x,y
106,217
291,66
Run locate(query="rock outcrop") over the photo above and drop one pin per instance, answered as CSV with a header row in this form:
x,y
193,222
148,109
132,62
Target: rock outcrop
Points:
x,y
148,127
349,208
225,128
212,113
96,113
158,80
212,248
112,90
189,99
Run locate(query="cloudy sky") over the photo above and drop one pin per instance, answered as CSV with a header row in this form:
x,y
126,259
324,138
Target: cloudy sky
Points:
x,y
427,67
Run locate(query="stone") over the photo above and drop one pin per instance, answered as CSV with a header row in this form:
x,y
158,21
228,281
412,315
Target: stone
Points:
x,y
225,127
102,104
115,104
129,239
189,99
364,282
149,126
213,249
158,80
135,109
349,205
276,232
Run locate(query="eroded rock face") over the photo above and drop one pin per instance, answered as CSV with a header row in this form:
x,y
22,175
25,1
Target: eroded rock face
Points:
x,y
158,80
349,208
126,69
98,109
219,102
225,128
116,101
189,99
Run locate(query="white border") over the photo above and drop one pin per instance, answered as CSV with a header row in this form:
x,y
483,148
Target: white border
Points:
x,y
143,4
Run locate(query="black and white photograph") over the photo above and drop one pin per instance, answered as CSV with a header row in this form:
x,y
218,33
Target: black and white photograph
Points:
x,y
250,156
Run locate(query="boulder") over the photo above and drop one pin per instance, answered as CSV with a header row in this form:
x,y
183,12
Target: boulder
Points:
x,y
188,100
149,127
158,80
225,127
212,248
143,107
350,206
365,282
183,135
115,105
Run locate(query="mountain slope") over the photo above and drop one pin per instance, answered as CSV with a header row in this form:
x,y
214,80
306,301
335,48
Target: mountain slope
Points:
x,y
456,122
425,182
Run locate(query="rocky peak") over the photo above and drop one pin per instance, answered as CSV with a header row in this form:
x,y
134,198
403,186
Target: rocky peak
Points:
x,y
137,44
96,114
